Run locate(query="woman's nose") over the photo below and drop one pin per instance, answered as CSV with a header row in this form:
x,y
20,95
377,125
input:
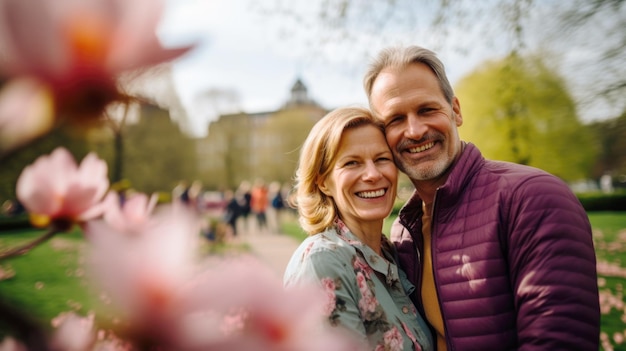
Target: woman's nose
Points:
x,y
371,172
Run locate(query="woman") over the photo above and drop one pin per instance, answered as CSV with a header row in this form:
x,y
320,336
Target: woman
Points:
x,y
345,187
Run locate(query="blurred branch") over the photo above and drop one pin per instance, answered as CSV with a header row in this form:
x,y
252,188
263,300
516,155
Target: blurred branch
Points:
x,y
20,250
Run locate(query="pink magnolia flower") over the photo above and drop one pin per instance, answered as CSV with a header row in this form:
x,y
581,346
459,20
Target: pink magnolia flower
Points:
x,y
78,47
162,294
11,344
270,317
54,189
131,216
73,332
25,112
143,274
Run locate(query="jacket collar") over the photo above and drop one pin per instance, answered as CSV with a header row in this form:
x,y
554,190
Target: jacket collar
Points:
x,y
447,196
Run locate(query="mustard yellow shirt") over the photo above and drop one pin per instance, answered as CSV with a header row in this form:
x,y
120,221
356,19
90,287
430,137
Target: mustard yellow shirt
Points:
x,y
429,293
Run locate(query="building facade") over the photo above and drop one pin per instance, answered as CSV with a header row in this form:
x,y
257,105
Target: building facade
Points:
x,y
246,146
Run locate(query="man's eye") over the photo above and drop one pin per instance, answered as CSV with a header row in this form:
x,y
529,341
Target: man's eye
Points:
x,y
395,119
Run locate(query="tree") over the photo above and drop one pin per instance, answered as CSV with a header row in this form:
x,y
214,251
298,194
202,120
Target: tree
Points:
x,y
157,154
519,110
584,31
610,137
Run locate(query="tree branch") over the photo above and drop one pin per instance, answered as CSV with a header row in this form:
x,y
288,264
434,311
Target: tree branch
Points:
x,y
20,250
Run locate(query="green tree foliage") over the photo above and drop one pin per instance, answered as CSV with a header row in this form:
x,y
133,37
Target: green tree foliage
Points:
x,y
157,155
519,110
610,137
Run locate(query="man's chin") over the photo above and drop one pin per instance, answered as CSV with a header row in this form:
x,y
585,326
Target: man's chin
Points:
x,y
425,170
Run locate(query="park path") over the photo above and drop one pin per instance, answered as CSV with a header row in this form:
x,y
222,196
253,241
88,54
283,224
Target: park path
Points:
x,y
272,248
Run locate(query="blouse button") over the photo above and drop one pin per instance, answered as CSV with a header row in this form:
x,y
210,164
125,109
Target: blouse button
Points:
x,y
405,309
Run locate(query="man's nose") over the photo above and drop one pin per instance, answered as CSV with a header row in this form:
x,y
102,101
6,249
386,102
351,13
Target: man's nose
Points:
x,y
416,128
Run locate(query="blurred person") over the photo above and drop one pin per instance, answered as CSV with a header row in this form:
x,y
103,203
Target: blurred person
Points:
x,y
259,202
195,196
502,254
180,192
232,211
244,198
346,185
276,200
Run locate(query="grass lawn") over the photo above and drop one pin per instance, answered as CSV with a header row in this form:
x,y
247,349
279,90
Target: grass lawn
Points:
x,y
47,280
609,233
50,279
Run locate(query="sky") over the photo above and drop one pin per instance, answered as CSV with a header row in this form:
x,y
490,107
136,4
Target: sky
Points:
x,y
240,50
260,56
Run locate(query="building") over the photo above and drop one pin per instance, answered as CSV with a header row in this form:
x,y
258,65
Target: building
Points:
x,y
245,146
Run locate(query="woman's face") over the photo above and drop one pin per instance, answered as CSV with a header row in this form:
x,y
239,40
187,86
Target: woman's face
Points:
x,y
363,178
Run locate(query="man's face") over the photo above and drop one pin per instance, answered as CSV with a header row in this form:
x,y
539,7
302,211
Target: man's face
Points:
x,y
421,126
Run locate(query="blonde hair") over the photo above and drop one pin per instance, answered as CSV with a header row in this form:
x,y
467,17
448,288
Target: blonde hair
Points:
x,y
316,210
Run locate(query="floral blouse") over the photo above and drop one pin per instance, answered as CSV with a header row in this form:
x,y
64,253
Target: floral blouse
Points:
x,y
370,292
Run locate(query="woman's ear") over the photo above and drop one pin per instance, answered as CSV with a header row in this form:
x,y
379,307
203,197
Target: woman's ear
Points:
x,y
321,184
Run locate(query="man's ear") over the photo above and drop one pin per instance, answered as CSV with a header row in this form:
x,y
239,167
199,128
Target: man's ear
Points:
x,y
456,109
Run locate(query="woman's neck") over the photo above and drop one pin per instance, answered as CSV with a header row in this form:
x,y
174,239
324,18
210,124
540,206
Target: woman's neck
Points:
x,y
369,232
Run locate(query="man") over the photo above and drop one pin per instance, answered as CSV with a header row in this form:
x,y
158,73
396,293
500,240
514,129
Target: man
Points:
x,y
501,254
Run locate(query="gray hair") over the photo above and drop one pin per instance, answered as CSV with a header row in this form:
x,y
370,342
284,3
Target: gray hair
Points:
x,y
398,57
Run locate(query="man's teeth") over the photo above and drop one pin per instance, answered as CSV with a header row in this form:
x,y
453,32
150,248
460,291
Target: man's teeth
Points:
x,y
371,194
422,148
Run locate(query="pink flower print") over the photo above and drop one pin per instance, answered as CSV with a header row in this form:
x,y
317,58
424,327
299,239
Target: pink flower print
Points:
x,y
409,334
368,301
393,340
329,288
55,190
360,265
306,251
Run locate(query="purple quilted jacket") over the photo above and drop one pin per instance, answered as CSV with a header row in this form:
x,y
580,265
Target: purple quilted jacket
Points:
x,y
515,267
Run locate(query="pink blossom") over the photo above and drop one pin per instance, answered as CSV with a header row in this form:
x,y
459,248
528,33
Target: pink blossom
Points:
x,y
25,112
132,215
78,47
144,274
73,332
54,189
10,344
164,295
274,318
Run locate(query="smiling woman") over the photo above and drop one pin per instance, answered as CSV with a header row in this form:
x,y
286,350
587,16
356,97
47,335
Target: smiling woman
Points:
x,y
346,185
